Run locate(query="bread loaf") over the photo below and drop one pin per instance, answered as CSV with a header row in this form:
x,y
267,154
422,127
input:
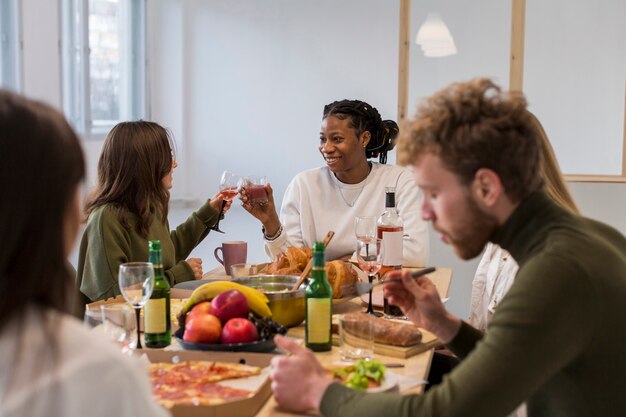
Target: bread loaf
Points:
x,y
385,331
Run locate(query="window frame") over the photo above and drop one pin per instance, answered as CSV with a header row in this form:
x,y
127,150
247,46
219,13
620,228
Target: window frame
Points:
x,y
76,66
11,45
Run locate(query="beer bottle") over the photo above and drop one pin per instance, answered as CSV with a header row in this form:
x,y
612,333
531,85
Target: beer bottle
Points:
x,y
157,332
319,306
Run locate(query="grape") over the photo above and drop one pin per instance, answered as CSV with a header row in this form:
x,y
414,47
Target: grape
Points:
x,y
267,327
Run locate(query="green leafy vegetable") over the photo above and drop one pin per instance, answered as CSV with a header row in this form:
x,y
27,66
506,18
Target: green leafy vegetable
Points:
x,y
358,375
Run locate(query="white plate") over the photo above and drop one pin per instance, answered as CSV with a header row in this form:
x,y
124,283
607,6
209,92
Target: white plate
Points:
x,y
389,384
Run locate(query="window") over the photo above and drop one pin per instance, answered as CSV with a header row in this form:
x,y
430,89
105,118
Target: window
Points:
x,y
103,63
9,45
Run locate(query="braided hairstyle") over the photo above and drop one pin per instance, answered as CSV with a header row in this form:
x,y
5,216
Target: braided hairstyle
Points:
x,y
364,117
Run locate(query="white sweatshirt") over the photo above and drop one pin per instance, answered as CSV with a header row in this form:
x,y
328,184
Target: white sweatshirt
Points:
x,y
316,201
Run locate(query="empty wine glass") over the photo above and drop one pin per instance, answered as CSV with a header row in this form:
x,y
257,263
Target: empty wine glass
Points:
x,y
229,187
365,227
118,325
369,254
136,281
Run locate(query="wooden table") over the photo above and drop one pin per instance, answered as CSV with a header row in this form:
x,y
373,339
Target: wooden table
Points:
x,y
415,367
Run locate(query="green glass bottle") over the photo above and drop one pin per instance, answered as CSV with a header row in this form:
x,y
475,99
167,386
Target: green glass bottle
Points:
x,y
157,331
319,305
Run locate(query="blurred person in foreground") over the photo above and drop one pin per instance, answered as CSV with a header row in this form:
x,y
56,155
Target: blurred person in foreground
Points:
x,y
557,338
129,208
349,185
50,364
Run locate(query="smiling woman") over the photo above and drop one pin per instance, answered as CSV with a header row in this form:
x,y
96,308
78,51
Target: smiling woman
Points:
x,y
332,196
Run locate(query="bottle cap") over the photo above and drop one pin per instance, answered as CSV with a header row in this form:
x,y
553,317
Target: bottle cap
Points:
x,y
318,247
155,245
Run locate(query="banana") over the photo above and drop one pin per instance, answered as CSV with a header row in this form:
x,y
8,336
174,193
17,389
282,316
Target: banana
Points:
x,y
257,301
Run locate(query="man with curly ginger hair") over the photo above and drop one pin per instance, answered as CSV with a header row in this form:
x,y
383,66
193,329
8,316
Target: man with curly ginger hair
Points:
x,y
557,339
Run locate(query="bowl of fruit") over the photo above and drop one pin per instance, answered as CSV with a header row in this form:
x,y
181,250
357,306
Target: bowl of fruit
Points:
x,y
227,316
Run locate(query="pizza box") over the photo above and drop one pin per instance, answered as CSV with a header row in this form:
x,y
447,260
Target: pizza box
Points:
x,y
176,297
240,408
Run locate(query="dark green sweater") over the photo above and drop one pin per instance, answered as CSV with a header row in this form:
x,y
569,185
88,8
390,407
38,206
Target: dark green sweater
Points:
x,y
557,339
106,244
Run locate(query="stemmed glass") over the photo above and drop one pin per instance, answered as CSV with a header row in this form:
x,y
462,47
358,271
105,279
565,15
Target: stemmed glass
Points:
x,y
229,187
365,228
369,254
118,324
136,281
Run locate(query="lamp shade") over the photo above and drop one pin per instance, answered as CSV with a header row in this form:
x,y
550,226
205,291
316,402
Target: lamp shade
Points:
x,y
435,38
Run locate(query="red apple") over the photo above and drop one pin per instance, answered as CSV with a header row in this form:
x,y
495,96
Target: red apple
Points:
x,y
199,309
239,330
230,304
202,328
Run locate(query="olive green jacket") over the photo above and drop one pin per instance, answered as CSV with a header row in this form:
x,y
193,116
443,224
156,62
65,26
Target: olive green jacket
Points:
x,y
106,244
557,339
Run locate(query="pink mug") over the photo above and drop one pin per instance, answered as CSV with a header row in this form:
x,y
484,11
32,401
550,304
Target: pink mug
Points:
x,y
233,252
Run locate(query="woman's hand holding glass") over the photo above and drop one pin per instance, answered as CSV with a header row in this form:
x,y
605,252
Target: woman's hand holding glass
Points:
x,y
265,213
229,187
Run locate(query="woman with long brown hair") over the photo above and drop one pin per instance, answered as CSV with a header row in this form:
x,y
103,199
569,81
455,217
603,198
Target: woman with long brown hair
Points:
x,y
129,208
50,364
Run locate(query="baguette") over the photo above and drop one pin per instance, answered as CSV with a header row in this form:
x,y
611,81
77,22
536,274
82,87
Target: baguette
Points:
x,y
386,332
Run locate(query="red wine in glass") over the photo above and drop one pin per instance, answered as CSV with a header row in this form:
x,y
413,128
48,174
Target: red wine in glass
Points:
x,y
256,190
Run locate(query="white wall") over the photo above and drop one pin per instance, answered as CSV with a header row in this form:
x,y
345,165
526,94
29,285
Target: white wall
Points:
x,y
580,101
242,85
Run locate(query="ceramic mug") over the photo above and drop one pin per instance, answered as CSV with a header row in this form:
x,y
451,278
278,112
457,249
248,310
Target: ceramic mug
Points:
x,y
233,252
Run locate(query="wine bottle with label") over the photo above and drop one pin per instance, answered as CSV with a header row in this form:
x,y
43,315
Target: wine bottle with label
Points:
x,y
319,305
157,322
390,229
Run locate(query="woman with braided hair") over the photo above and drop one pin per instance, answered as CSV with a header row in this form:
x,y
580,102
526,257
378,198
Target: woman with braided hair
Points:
x,y
349,185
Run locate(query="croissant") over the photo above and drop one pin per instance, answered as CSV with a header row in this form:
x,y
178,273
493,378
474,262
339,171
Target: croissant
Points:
x,y
340,274
293,261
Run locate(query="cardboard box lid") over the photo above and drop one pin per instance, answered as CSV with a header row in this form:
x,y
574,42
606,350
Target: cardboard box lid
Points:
x,y
241,408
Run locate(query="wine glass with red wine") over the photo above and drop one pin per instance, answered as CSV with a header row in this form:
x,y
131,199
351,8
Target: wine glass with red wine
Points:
x,y
369,254
229,187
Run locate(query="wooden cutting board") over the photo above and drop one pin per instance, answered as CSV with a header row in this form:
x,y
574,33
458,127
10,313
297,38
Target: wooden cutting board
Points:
x,y
429,341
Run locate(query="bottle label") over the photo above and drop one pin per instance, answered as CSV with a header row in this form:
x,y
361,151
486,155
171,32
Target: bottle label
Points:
x,y
154,316
392,243
319,311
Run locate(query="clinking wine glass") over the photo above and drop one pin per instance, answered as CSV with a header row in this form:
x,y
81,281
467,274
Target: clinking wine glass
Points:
x,y
365,227
136,281
369,254
229,187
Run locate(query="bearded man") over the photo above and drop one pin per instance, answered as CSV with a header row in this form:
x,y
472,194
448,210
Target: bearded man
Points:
x,y
558,337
